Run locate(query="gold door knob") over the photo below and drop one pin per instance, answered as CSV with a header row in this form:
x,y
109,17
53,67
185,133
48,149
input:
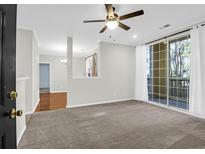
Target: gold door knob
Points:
x,y
13,113
13,95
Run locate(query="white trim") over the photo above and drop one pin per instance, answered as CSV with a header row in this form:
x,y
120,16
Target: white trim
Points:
x,y
21,78
33,30
90,53
37,102
21,135
52,53
101,102
187,112
31,112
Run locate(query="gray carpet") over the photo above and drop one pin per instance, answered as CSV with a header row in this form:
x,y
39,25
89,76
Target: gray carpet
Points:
x,y
127,124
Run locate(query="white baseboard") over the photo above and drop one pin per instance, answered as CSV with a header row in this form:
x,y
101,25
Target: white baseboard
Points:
x,y
37,102
175,109
101,102
21,135
31,112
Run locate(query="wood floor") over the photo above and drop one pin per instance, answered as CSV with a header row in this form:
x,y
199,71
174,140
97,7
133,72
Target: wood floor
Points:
x,y
128,124
51,101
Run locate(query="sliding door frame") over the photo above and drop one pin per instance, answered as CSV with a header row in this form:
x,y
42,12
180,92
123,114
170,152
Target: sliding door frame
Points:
x,y
167,40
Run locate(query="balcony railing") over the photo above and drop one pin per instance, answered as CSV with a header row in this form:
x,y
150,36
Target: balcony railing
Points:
x,y
178,89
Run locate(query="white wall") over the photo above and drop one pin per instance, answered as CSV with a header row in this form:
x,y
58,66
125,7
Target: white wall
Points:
x,y
117,67
78,67
27,56
58,71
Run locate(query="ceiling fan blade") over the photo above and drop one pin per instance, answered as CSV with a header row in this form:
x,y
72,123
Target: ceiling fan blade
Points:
x,y
123,26
130,15
104,28
109,9
88,21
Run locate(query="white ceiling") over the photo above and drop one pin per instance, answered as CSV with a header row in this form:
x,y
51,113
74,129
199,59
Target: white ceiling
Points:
x,y
53,23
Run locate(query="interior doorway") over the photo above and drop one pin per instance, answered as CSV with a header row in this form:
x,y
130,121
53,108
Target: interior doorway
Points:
x,y
49,98
44,71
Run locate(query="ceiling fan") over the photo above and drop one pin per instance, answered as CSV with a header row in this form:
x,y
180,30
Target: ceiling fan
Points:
x,y
113,20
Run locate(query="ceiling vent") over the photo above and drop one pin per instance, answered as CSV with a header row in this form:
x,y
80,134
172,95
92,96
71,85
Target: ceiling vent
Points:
x,y
165,26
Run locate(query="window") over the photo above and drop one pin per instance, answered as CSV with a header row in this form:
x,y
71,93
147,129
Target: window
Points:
x,y
168,72
91,66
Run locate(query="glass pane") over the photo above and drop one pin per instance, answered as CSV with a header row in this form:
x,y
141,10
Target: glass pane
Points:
x,y
163,54
183,104
149,81
156,73
156,89
156,56
156,48
163,64
156,64
173,92
156,81
163,46
173,82
179,72
163,95
172,102
163,73
150,97
163,82
163,99
156,98
163,91
182,93
149,89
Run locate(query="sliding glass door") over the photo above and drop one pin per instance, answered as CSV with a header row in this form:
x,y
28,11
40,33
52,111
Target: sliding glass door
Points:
x,y
168,72
157,72
179,72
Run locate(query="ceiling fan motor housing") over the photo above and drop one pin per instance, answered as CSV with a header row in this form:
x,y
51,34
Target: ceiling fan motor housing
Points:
x,y
115,18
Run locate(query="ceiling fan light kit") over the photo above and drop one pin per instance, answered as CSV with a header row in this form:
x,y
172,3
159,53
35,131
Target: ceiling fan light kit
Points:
x,y
113,20
112,24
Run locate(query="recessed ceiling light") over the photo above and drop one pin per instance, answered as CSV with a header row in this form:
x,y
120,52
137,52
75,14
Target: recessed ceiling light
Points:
x,y
134,36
